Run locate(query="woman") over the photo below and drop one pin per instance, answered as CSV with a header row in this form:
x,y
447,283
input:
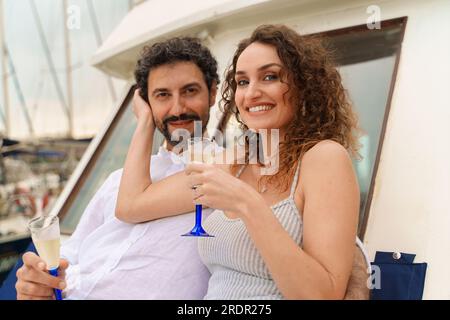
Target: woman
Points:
x,y
289,235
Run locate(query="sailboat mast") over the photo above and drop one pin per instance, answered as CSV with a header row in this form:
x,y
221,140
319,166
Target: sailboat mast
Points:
x,y
3,57
68,71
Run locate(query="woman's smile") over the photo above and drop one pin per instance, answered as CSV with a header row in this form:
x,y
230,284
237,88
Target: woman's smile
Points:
x,y
259,109
261,88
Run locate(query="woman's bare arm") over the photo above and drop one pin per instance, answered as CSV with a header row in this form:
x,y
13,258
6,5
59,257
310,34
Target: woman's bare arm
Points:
x,y
322,267
139,199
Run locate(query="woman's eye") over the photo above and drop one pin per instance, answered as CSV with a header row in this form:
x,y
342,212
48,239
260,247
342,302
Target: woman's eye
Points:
x,y
242,82
270,77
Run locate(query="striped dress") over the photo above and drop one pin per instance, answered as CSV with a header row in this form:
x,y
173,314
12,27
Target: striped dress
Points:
x,y
237,269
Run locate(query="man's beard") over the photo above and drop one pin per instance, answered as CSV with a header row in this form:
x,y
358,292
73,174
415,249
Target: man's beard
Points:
x,y
164,128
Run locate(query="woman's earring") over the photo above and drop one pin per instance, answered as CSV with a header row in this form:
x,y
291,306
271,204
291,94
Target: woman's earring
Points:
x,y
304,108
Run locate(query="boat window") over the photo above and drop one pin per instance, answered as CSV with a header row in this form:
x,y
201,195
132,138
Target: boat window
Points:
x,y
108,157
368,61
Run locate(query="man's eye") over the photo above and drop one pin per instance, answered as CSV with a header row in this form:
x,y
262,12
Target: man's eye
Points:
x,y
191,90
242,82
270,77
162,95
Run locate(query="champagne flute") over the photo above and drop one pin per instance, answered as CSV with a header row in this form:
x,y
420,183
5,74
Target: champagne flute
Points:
x,y
199,150
46,238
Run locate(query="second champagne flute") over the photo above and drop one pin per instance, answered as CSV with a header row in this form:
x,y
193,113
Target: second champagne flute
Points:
x,y
45,235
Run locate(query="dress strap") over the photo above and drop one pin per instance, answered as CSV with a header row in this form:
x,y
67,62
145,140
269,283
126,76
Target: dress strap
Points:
x,y
238,174
294,183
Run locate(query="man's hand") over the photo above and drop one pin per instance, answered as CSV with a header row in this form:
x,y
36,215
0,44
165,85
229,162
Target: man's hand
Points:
x,y
33,280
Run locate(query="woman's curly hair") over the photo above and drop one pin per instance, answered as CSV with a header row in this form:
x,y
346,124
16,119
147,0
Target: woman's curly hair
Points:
x,y
322,109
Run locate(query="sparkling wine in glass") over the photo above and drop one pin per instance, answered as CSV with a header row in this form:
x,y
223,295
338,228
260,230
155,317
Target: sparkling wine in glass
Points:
x,y
199,150
46,238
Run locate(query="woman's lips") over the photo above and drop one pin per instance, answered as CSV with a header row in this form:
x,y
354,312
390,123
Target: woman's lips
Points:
x,y
260,109
258,113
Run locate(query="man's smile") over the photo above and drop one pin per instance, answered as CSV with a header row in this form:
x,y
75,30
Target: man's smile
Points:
x,y
180,123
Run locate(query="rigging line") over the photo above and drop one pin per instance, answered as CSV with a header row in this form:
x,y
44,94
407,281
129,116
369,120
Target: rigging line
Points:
x,y
19,92
98,38
93,17
37,96
2,115
49,58
74,66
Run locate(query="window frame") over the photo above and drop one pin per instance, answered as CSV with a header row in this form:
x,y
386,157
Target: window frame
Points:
x,y
400,21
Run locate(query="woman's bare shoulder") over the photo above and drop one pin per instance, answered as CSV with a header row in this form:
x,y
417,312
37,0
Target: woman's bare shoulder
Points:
x,y
326,151
326,158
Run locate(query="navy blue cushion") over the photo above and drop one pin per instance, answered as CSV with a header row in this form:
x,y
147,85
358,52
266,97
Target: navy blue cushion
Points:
x,y
400,278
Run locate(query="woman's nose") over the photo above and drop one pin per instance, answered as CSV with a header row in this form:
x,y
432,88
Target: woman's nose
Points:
x,y
253,91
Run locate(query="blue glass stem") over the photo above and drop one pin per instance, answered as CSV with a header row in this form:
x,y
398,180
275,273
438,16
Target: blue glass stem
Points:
x,y
197,230
58,293
198,214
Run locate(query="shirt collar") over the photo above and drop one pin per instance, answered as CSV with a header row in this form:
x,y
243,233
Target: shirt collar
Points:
x,y
169,155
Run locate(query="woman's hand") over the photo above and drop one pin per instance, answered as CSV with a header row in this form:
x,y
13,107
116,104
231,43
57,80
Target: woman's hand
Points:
x,y
218,189
142,109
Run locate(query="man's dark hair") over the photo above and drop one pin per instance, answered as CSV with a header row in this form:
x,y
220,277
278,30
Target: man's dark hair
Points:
x,y
175,50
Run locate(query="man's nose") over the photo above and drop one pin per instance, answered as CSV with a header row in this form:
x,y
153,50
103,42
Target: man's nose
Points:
x,y
178,106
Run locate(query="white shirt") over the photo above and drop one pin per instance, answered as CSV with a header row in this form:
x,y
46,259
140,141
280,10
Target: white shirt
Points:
x,y
110,259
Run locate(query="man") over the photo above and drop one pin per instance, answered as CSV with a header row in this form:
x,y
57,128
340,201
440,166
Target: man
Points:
x,y
110,259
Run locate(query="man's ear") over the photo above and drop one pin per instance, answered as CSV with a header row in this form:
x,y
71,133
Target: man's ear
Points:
x,y
212,94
